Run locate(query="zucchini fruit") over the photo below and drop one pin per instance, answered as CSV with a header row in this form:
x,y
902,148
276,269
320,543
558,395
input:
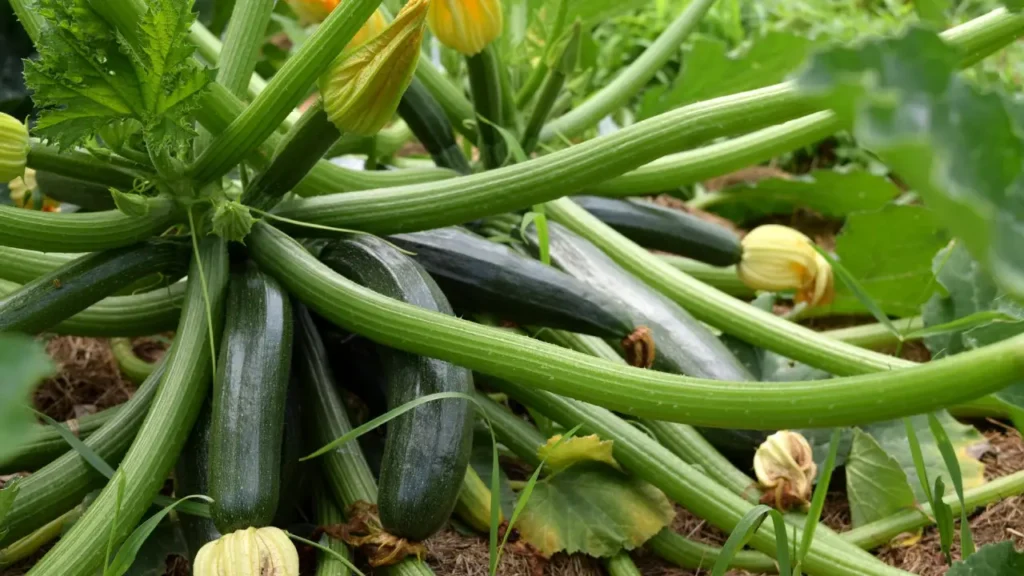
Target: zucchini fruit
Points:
x,y
54,297
249,399
684,345
665,229
480,276
87,196
428,122
426,452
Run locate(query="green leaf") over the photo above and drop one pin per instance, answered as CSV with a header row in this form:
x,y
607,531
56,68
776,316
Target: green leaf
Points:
x,y
850,283
999,559
23,363
953,469
594,509
89,77
932,11
959,148
943,519
77,445
135,205
827,192
889,252
966,440
876,485
559,454
709,70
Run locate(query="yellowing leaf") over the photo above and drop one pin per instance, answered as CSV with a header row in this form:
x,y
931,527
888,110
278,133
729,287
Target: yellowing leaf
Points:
x,y
559,455
593,509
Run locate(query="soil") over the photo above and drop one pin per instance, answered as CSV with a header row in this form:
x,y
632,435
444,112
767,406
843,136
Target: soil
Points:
x,y
89,380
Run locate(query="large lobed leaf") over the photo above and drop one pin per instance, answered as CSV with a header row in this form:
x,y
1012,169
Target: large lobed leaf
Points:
x,y
23,363
993,560
89,76
960,148
876,485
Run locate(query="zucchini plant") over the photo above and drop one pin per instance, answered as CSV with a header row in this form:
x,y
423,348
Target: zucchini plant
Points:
x,y
207,204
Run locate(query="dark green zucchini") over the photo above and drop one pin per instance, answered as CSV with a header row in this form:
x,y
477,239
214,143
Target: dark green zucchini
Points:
x,y
428,122
249,399
62,484
191,476
665,229
54,297
427,449
480,276
45,443
683,344
86,195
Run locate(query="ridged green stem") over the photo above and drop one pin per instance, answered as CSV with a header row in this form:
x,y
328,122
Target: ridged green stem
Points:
x,y
650,461
474,505
769,405
79,165
722,278
83,231
136,315
135,368
327,514
456,106
23,266
631,79
261,118
551,89
60,485
676,170
175,407
425,206
874,336
621,565
31,544
540,71
485,84
242,43
386,142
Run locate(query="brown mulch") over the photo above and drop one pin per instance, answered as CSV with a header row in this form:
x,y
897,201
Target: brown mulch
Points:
x,y
88,379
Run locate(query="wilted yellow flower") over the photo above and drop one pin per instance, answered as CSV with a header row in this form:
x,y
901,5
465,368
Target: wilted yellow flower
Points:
x,y
249,552
13,147
361,89
784,465
780,258
466,25
25,193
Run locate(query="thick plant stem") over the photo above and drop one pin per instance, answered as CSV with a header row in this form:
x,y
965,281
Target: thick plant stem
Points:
x,y
23,266
83,232
630,80
135,368
301,149
261,118
722,278
242,44
485,83
552,88
540,71
650,461
774,405
676,170
78,165
425,206
458,109
874,336
31,544
174,410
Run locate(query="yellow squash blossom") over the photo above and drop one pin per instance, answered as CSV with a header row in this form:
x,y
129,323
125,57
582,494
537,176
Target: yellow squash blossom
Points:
x,y
249,552
466,25
361,89
14,147
779,258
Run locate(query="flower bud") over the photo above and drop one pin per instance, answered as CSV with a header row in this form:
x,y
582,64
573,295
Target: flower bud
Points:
x,y
232,221
249,552
784,465
361,89
313,11
466,25
13,147
779,258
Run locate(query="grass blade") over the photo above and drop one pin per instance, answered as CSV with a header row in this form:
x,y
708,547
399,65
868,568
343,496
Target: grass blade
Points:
x,y
966,323
818,499
943,519
130,549
113,531
953,466
915,453
742,533
77,445
348,563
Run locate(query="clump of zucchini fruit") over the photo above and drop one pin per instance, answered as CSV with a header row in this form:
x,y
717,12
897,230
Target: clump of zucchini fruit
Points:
x,y
291,283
